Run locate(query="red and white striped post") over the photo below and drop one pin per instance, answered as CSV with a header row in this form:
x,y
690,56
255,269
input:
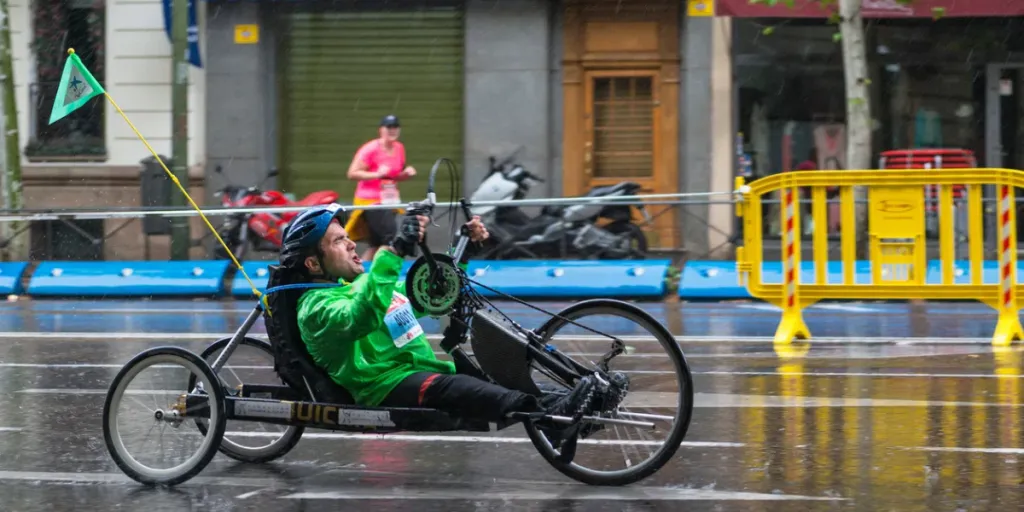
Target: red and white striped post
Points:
x,y
1009,328
792,325
790,247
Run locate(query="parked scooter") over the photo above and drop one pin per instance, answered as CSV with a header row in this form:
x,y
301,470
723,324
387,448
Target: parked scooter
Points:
x,y
260,231
559,231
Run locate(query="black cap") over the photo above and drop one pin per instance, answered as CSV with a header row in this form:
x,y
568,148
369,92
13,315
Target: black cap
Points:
x,y
391,121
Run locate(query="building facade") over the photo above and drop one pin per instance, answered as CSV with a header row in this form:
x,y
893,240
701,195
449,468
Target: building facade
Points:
x,y
91,159
951,81
590,93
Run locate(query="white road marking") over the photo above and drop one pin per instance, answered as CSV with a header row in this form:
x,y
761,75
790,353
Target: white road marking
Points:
x,y
574,493
1005,451
701,400
173,336
437,438
10,429
248,495
726,400
83,391
739,373
120,478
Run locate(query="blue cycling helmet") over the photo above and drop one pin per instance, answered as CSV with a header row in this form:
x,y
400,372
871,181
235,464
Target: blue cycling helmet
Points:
x,y
306,230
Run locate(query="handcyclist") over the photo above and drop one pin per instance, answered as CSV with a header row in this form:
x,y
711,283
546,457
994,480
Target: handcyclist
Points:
x,y
378,166
366,335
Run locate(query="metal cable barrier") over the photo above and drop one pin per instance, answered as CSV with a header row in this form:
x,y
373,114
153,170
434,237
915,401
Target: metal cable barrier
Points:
x,y
558,277
898,264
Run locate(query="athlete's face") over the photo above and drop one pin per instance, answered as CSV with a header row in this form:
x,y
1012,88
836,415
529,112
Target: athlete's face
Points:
x,y
339,254
390,133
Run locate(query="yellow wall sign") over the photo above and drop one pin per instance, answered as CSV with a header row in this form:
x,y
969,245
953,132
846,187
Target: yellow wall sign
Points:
x,y
247,34
699,8
896,225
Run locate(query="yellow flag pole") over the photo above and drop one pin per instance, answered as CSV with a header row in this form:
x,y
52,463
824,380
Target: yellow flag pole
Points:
x,y
174,178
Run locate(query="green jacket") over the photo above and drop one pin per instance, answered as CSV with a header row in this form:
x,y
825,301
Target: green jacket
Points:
x,y
366,334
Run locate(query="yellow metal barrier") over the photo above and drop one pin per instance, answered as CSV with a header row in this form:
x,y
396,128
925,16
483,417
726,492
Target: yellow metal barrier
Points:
x,y
896,238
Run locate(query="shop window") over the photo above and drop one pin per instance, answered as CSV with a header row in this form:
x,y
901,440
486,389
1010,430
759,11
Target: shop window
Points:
x,y
57,26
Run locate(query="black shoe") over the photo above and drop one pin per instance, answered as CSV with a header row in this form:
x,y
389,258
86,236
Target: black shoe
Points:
x,y
577,401
606,401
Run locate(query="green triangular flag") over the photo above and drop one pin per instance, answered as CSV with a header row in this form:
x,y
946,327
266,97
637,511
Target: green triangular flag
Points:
x,y
77,87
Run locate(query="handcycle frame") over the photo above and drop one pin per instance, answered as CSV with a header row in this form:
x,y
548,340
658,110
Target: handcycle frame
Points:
x,y
502,344
283,405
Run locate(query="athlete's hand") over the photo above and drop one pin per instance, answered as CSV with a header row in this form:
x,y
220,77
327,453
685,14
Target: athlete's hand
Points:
x,y
410,233
423,226
477,230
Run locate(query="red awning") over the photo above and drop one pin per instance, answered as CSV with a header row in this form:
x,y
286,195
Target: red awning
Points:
x,y
875,9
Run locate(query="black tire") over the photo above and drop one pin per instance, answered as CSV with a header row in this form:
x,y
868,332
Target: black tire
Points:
x,y
635,234
216,402
273,451
685,401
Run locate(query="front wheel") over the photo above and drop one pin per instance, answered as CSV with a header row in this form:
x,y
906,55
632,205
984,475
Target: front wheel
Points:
x,y
660,392
164,416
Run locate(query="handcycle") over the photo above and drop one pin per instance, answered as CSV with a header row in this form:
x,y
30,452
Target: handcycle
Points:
x,y
503,352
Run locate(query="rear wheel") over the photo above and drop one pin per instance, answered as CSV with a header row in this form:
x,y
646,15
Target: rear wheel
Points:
x,y
252,362
660,392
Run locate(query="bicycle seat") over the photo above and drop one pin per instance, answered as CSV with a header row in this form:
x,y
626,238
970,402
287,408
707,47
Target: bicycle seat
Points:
x,y
292,361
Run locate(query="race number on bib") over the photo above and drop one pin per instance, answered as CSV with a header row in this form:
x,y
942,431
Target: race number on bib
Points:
x,y
389,194
401,321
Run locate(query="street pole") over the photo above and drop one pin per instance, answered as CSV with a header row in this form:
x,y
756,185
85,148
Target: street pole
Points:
x,y
15,247
180,237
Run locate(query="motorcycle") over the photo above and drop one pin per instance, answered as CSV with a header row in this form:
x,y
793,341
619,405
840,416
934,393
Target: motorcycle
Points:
x,y
558,231
260,231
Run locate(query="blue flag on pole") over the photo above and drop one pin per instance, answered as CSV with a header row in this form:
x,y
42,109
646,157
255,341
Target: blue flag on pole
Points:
x,y
193,31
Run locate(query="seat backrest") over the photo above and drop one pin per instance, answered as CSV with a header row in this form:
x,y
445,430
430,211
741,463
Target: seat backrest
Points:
x,y
292,361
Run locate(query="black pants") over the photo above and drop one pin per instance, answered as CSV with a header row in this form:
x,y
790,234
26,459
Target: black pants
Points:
x,y
460,395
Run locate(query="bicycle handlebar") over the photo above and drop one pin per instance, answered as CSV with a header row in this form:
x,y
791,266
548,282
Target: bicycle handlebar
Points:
x,y
426,208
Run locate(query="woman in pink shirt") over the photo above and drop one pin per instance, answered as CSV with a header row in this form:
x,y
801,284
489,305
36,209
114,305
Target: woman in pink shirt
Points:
x,y
378,166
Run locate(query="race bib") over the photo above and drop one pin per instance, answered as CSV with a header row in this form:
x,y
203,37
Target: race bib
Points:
x,y
389,193
401,321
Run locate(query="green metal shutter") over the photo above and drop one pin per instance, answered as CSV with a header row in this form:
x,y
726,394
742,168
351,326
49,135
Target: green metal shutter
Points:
x,y
341,72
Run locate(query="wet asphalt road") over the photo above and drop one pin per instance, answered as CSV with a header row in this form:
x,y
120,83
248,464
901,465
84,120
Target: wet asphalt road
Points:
x,y
898,418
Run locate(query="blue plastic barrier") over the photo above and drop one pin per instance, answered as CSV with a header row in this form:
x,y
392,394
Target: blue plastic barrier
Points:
x,y
10,277
719,280
577,279
128,278
535,278
259,273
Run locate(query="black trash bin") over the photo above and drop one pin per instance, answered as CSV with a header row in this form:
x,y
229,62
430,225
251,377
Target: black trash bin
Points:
x,y
156,191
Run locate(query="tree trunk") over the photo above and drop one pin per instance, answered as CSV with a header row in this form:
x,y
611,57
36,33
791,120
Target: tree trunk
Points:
x,y
858,106
13,248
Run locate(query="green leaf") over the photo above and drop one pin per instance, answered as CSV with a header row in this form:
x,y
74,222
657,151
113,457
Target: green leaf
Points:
x,y
790,3
838,36
768,31
865,81
835,18
938,12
